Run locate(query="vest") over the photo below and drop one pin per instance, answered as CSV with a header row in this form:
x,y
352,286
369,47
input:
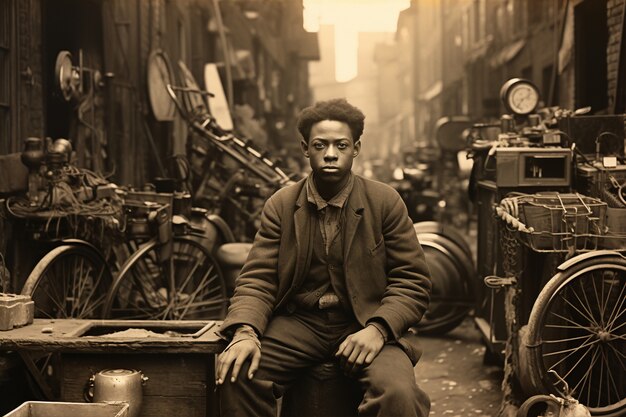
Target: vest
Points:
x,y
325,273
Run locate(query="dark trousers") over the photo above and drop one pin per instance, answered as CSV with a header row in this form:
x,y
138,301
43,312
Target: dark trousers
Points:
x,y
295,342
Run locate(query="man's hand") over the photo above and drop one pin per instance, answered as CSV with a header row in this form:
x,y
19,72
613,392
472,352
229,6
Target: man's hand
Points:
x,y
242,348
359,349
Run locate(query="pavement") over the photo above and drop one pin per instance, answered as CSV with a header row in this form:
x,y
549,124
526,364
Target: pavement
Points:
x,y
452,372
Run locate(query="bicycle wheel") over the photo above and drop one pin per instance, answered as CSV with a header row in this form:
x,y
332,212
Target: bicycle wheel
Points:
x,y
577,335
189,285
70,281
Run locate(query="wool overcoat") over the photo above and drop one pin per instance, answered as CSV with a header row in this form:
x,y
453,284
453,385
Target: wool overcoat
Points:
x,y
386,275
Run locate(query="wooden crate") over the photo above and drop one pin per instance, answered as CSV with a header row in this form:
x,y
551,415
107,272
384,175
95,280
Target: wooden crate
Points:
x,y
178,385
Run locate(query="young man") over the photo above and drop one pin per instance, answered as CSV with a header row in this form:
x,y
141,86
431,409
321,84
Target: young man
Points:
x,y
335,271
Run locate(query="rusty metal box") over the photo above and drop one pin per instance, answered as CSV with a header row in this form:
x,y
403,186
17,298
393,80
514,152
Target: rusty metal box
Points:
x,y
65,409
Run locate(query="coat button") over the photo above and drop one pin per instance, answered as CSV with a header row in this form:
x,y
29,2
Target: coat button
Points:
x,y
331,267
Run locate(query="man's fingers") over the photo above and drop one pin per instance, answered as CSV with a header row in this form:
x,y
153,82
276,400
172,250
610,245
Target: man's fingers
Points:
x,y
237,366
224,362
353,356
370,357
254,365
345,349
343,346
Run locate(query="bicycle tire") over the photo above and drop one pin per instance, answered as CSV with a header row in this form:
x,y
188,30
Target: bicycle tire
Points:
x,y
444,230
564,315
451,272
140,291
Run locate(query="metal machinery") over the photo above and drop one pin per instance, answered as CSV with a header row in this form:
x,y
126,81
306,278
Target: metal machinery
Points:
x,y
548,185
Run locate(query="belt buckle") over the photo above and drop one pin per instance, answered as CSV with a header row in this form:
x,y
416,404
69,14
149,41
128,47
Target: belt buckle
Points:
x,y
327,301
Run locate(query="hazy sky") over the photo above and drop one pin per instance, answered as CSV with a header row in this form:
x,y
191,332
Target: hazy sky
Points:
x,y
349,18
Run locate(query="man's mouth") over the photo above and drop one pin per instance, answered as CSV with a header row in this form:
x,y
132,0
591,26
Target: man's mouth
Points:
x,y
330,168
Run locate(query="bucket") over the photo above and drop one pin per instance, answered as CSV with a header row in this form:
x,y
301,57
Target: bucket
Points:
x,y
118,385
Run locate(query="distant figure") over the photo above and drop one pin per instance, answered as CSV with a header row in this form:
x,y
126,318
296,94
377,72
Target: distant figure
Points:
x,y
335,271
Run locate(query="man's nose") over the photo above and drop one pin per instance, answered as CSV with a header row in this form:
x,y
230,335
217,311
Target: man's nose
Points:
x,y
331,153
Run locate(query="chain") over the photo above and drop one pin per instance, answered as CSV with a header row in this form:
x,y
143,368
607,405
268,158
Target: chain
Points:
x,y
511,253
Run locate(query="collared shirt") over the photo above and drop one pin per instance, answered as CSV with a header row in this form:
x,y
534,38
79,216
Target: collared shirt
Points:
x,y
329,212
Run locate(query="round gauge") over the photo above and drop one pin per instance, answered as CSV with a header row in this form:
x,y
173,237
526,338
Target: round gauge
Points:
x,y
63,74
519,96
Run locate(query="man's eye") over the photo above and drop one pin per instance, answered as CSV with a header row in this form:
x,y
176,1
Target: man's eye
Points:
x,y
342,146
318,145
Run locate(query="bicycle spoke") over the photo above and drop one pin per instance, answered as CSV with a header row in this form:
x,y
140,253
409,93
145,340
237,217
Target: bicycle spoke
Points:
x,y
56,302
82,286
96,288
566,340
52,282
610,377
587,305
571,351
93,306
200,287
617,312
600,303
190,275
571,321
200,304
588,374
588,317
611,330
564,326
589,349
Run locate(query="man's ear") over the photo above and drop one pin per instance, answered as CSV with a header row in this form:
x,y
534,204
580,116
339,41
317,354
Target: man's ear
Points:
x,y
357,148
305,148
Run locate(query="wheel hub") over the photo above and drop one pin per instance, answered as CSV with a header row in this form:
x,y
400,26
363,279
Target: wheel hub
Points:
x,y
604,336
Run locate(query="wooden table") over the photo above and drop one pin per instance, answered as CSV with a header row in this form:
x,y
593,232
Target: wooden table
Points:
x,y
176,356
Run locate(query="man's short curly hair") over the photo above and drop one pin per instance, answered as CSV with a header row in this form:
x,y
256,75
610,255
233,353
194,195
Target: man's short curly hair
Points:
x,y
336,109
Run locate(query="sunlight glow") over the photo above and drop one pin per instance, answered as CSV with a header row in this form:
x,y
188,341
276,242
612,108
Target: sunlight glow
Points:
x,y
349,18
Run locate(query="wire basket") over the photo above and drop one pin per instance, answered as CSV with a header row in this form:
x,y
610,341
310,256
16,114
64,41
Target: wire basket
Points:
x,y
556,222
615,236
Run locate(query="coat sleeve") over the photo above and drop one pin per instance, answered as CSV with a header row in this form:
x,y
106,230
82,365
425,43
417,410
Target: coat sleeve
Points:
x,y
407,292
257,285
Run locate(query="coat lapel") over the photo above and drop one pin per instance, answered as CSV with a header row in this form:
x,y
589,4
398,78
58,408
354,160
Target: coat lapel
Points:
x,y
304,236
353,215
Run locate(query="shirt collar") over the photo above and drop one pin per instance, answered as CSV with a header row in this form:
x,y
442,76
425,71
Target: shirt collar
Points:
x,y
339,200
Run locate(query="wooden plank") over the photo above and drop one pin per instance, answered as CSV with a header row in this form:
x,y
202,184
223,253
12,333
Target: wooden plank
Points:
x,y
62,335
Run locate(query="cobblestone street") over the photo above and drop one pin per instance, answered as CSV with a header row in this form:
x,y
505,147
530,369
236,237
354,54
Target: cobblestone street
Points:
x,y
451,371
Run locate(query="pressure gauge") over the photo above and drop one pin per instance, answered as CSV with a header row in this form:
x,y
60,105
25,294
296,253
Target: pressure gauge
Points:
x,y
66,75
519,96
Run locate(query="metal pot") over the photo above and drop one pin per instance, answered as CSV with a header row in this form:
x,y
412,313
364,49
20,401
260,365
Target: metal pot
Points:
x,y
119,385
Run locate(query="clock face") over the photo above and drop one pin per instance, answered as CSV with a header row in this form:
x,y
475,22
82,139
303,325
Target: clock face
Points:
x,y
520,96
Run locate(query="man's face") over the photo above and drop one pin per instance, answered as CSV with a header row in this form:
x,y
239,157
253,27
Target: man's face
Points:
x,y
331,151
